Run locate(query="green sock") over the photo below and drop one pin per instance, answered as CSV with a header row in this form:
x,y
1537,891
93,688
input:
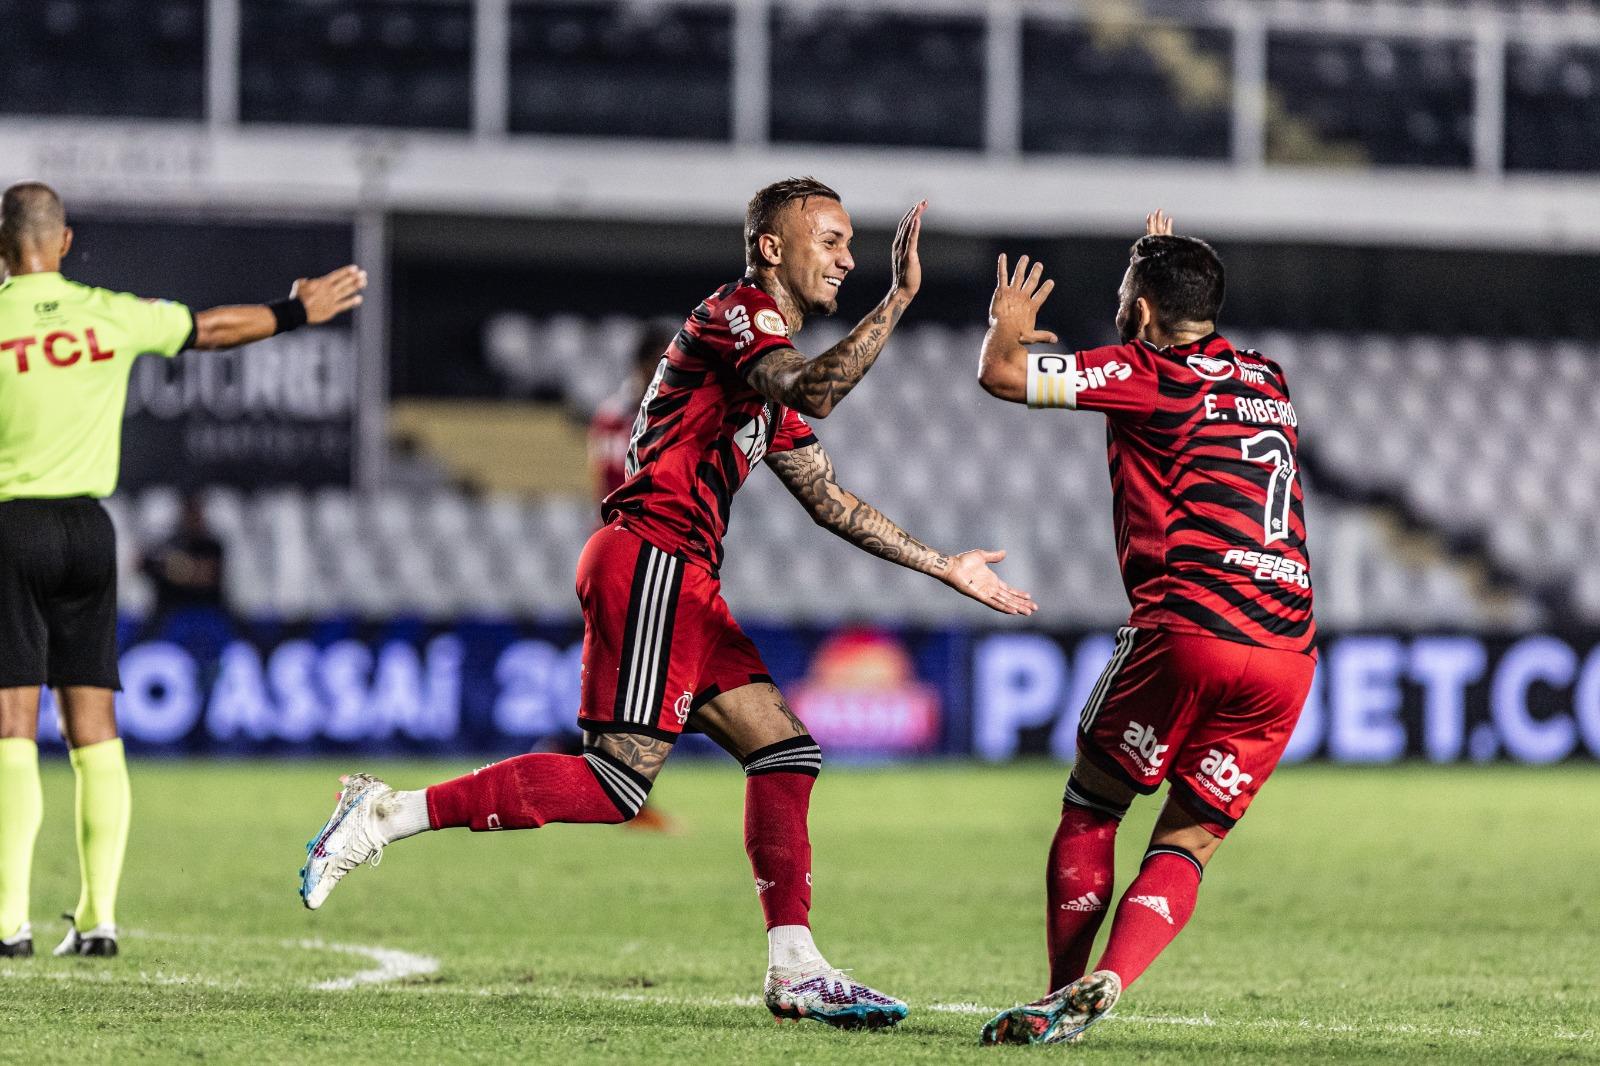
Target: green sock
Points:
x,y
104,802
21,811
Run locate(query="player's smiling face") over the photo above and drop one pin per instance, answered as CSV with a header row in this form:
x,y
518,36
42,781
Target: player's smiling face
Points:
x,y
816,253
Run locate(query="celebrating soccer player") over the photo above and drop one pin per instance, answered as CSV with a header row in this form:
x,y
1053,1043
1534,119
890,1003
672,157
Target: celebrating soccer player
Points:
x,y
661,652
65,354
1210,674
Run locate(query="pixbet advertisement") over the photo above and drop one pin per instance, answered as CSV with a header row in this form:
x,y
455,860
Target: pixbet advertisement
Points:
x,y
204,682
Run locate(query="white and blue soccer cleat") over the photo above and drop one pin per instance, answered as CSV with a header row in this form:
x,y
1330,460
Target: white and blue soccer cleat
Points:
x,y
349,838
1062,1017
830,996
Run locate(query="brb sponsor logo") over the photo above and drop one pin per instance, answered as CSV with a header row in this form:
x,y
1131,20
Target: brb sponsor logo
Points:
x,y
1265,566
1226,780
1139,741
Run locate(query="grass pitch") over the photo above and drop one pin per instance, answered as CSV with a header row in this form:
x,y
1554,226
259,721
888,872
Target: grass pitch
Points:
x,y
1396,915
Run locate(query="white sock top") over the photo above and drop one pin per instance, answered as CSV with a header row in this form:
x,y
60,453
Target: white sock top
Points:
x,y
791,947
403,814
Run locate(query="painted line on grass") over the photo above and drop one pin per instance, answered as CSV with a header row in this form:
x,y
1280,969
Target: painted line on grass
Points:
x,y
393,964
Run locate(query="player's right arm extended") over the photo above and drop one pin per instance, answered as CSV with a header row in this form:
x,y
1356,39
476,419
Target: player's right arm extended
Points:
x,y
815,386
808,474
1013,314
311,301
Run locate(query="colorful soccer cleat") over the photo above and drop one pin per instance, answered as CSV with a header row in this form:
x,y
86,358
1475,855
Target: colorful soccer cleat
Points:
x,y
831,997
18,945
349,838
1062,1017
97,943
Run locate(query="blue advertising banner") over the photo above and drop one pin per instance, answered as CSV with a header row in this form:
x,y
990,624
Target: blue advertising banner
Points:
x,y
202,682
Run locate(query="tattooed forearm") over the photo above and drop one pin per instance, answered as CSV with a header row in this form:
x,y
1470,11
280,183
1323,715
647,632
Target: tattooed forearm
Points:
x,y
808,474
640,753
815,386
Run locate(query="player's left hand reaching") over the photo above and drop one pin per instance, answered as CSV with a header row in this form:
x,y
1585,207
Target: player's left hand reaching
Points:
x,y
1158,224
1018,296
330,295
907,263
969,574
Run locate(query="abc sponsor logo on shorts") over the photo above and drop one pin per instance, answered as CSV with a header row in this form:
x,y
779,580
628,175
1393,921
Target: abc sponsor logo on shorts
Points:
x,y
1221,776
1265,566
1139,741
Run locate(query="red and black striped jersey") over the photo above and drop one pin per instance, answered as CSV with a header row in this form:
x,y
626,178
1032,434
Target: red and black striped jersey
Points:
x,y
701,428
1207,501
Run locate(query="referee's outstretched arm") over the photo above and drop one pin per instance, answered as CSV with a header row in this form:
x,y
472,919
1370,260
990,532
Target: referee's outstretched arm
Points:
x,y
311,301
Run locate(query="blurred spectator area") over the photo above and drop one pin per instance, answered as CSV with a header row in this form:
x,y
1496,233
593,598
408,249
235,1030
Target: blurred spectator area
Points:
x,y
122,58
1438,475
1349,82
650,70
851,74
357,62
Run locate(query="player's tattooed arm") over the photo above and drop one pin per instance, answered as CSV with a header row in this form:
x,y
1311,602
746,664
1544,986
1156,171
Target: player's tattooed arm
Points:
x,y
1013,318
808,474
815,386
644,755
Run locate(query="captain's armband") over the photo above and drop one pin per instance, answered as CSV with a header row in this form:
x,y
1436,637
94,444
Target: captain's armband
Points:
x,y
1052,379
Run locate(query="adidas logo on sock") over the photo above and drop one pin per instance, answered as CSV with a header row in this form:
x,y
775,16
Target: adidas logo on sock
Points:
x,y
762,886
1086,902
1157,904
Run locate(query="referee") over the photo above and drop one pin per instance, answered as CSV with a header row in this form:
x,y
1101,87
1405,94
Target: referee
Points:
x,y
65,354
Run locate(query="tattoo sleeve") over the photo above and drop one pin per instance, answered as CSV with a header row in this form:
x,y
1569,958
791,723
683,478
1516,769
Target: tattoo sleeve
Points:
x,y
815,386
643,754
808,474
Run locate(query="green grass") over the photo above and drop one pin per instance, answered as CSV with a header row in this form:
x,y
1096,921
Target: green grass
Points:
x,y
1372,916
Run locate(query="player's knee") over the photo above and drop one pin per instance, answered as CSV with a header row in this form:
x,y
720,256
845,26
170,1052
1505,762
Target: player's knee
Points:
x,y
1100,801
797,755
625,787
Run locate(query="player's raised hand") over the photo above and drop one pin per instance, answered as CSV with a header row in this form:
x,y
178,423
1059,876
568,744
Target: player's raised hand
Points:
x,y
1018,295
332,294
907,264
969,574
1158,224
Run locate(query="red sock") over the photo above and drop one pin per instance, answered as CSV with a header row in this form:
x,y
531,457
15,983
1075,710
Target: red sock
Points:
x,y
527,791
777,797
1078,884
1152,912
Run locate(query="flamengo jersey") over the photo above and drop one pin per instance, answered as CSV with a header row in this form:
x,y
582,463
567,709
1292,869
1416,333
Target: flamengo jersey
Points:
x,y
1202,442
701,428
65,354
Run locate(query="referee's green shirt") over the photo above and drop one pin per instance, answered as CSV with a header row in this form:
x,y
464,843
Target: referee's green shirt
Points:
x,y
65,354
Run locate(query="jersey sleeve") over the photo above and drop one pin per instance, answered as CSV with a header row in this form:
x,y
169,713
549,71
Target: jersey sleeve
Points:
x,y
754,327
159,327
793,432
1120,380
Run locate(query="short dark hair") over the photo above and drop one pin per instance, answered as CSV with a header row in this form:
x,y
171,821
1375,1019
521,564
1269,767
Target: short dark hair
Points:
x,y
29,211
1182,276
762,213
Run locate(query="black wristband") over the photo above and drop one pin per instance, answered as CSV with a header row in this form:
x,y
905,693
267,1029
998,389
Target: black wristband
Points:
x,y
289,314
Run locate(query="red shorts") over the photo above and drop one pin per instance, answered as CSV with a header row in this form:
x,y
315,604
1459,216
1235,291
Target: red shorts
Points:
x,y
658,639
1212,715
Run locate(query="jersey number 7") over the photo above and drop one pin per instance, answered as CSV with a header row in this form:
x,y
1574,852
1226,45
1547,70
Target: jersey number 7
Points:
x,y
1272,449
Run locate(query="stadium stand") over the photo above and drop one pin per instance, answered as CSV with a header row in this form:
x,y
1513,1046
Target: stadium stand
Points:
x,y
361,63
1551,90
125,58
1423,540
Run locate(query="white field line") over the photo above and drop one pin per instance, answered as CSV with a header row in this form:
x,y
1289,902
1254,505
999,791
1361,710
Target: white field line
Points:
x,y
393,965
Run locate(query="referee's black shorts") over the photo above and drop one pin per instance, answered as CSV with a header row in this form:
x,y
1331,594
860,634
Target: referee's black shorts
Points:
x,y
58,594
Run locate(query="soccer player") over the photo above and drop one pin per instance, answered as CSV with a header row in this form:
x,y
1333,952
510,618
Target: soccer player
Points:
x,y
65,354
661,651
1212,670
